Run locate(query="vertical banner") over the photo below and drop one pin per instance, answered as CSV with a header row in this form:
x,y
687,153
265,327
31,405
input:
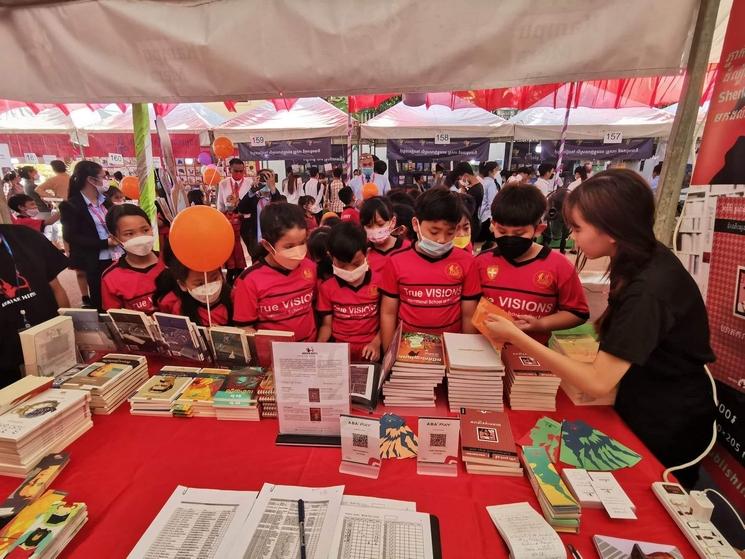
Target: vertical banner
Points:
x,y
721,158
144,154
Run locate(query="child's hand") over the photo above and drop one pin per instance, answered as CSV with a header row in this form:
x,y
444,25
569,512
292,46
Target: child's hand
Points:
x,y
501,329
528,323
371,352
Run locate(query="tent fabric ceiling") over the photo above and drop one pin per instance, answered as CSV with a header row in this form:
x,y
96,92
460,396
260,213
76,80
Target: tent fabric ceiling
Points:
x,y
402,122
173,51
544,123
310,117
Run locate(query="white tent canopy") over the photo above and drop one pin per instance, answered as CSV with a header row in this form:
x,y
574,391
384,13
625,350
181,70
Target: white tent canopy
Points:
x,y
310,117
106,51
402,122
544,123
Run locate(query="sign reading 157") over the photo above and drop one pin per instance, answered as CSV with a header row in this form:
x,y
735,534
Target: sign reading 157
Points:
x,y
611,137
442,138
258,141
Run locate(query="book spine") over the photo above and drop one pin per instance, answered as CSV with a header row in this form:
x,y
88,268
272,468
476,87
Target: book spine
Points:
x,y
477,452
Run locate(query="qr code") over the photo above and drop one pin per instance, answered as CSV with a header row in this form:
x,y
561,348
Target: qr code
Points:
x,y
359,440
437,439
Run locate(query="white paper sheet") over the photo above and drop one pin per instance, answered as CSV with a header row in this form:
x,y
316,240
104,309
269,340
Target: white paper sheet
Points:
x,y
272,531
526,532
615,501
377,502
312,384
195,524
374,533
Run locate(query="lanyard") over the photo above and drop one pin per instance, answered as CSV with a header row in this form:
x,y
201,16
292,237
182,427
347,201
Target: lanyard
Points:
x,y
236,188
101,216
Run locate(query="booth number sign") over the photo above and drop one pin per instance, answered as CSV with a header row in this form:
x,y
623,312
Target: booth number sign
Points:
x,y
258,141
611,137
442,138
116,159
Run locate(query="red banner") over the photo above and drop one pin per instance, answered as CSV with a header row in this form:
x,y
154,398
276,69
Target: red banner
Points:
x,y
721,159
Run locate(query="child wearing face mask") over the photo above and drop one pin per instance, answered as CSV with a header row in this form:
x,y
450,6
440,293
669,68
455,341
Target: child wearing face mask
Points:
x,y
465,226
182,291
539,287
277,291
348,301
129,283
431,286
379,220
27,213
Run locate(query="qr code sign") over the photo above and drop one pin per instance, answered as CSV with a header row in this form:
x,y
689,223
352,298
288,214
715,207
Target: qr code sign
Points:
x,y
359,440
437,439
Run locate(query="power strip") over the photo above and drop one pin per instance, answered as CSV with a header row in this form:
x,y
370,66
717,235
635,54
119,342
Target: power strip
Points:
x,y
692,514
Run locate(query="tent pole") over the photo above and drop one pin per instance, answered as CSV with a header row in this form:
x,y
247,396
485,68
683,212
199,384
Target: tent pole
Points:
x,y
681,135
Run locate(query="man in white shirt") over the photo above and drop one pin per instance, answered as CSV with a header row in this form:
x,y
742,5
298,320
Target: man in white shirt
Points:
x,y
233,188
315,189
377,176
544,181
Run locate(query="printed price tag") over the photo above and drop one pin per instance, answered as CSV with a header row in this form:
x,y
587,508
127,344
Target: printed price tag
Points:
x,y
611,137
442,138
258,141
116,159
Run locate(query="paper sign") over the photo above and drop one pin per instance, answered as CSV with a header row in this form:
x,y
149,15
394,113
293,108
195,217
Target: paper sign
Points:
x,y
615,501
5,156
611,137
31,158
360,446
116,159
157,162
328,167
442,138
49,158
258,141
438,446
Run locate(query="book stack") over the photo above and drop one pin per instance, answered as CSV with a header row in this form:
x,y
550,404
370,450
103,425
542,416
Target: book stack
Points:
x,y
474,373
110,380
487,444
196,400
418,368
157,395
267,397
560,508
49,348
530,385
236,400
43,424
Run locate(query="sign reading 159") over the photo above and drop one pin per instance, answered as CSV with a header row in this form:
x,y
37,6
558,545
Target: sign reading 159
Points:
x,y
442,138
258,141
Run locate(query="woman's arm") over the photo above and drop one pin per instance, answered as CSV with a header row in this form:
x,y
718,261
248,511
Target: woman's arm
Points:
x,y
388,318
324,332
60,295
560,320
596,379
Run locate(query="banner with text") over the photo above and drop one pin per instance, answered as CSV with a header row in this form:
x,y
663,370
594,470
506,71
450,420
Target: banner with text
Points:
x,y
721,158
629,149
287,150
428,150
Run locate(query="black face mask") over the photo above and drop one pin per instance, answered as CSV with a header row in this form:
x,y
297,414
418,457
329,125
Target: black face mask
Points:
x,y
512,247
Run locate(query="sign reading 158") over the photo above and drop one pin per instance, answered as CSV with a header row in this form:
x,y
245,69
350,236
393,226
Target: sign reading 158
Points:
x,y
442,138
258,141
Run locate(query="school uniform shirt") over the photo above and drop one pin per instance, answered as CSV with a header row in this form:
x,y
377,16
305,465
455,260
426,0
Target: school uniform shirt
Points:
x,y
377,259
659,324
271,298
171,304
315,189
354,311
228,187
537,287
544,185
32,222
126,287
310,223
350,214
382,182
25,273
430,290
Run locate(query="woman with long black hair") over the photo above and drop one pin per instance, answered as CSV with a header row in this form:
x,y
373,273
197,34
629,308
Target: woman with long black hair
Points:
x,y
84,225
654,335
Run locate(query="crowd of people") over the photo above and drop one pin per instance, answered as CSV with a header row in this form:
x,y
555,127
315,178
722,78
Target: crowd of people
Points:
x,y
346,262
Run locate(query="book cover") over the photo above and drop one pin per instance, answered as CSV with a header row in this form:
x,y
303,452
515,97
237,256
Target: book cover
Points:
x,y
480,315
97,375
202,389
12,531
134,328
487,434
520,363
239,388
21,390
49,348
262,341
32,414
230,346
46,528
91,334
162,387
471,352
547,478
619,548
420,349
177,335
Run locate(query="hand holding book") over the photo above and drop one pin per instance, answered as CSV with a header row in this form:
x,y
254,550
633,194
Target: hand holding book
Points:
x,y
494,323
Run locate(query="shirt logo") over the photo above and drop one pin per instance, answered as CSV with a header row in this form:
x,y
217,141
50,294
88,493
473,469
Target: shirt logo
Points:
x,y
307,274
10,291
543,279
454,271
492,271
373,291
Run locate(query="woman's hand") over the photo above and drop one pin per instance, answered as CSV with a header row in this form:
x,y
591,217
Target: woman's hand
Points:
x,y
501,328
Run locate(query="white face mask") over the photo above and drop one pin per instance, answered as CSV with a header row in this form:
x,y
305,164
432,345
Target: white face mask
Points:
x,y
351,276
433,248
32,213
207,292
103,186
378,234
139,246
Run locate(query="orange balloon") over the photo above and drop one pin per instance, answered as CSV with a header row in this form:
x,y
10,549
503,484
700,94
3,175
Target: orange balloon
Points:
x,y
211,176
201,238
223,147
130,187
369,190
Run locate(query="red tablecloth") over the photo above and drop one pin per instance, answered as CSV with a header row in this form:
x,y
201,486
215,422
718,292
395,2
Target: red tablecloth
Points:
x,y
126,467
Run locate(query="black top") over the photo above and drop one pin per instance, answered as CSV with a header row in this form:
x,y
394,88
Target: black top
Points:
x,y
37,262
659,324
80,232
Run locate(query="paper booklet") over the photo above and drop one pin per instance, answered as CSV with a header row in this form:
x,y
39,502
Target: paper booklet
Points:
x,y
25,418
195,524
526,533
363,385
